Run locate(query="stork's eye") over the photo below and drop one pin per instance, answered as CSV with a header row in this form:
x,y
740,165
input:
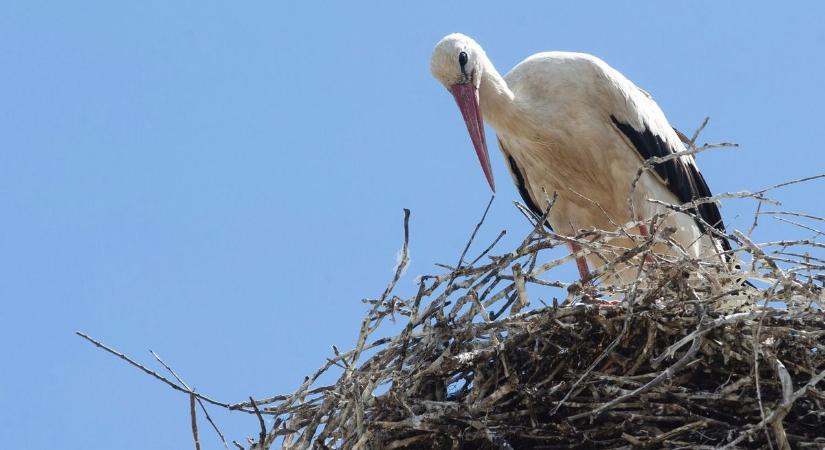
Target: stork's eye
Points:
x,y
462,59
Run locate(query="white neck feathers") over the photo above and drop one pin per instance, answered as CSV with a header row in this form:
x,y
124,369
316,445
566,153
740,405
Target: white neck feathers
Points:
x,y
496,99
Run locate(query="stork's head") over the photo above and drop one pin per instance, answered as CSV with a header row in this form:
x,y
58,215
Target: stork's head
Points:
x,y
457,63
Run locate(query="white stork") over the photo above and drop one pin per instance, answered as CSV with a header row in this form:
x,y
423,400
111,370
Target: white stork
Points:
x,y
569,123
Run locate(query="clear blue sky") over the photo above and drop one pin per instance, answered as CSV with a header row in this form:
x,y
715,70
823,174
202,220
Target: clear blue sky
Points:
x,y
222,182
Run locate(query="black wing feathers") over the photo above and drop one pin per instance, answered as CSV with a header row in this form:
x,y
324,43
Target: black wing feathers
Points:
x,y
684,180
521,184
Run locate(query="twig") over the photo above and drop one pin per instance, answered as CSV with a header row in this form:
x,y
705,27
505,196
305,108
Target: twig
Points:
x,y
156,375
193,414
262,436
192,391
698,131
788,183
402,261
490,247
475,230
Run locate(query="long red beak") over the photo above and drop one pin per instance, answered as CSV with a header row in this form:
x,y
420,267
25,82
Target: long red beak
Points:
x,y
466,95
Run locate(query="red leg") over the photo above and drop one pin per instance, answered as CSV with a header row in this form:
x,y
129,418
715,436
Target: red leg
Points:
x,y
584,273
645,233
643,230
581,263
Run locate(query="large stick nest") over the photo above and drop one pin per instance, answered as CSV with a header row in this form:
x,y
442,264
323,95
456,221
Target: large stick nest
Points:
x,y
688,357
